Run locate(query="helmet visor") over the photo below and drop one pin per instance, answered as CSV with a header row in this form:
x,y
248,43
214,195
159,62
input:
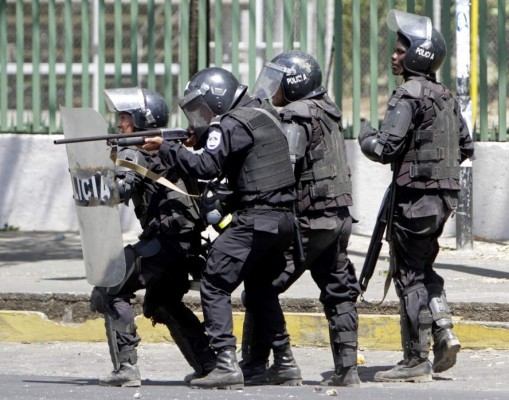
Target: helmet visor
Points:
x,y
124,99
195,108
410,24
269,80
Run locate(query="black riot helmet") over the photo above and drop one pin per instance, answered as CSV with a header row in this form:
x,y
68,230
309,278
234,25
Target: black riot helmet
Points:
x,y
210,92
148,108
427,48
298,74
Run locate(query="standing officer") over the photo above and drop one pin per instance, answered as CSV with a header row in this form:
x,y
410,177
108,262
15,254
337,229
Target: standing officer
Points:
x,y
425,138
245,144
312,125
169,249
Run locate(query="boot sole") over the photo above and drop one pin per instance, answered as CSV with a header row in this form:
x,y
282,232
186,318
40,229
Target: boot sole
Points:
x,y
332,384
291,382
239,386
415,379
449,358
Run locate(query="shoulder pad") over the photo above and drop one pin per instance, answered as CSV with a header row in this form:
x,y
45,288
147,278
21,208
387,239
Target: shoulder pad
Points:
x,y
297,108
216,120
293,129
327,105
412,87
133,155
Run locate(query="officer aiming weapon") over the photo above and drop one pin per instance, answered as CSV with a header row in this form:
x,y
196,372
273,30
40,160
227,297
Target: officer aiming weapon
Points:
x,y
130,139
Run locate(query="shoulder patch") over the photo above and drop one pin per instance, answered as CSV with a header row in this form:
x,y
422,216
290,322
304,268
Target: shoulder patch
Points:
x,y
214,139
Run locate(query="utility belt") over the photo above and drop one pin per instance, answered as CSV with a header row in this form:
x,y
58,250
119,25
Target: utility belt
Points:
x,y
268,206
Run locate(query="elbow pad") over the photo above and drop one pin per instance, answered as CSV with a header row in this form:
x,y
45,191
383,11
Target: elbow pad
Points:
x,y
369,148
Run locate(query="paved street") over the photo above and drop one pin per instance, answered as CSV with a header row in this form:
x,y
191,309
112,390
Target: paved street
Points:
x,y
49,266
70,370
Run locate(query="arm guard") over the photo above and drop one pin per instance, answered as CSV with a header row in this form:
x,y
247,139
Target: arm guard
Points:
x,y
387,144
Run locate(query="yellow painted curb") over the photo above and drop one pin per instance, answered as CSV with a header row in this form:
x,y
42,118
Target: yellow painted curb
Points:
x,y
376,332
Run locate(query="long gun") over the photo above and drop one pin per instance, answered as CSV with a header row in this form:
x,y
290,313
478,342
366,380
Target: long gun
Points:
x,y
130,139
383,223
299,254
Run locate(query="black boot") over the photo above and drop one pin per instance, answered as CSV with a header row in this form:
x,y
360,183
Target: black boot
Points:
x,y
414,370
226,375
343,376
127,375
255,353
207,362
283,372
416,366
255,364
446,344
446,347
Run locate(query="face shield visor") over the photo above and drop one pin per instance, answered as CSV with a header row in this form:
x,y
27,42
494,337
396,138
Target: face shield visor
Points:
x,y
124,99
411,25
195,108
269,80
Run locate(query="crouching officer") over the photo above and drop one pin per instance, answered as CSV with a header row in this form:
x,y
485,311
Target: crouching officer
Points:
x,y
425,138
312,124
243,142
169,250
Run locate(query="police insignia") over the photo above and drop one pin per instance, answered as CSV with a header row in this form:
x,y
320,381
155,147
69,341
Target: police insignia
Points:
x,y
214,139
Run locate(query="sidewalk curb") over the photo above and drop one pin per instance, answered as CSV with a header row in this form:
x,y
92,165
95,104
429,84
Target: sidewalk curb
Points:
x,y
376,332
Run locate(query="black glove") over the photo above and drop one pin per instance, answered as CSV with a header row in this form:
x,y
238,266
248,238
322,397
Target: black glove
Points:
x,y
127,186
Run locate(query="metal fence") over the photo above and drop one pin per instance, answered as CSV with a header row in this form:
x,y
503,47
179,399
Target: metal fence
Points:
x,y
66,52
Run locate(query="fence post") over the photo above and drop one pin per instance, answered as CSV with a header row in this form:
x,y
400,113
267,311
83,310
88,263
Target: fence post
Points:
x,y
464,213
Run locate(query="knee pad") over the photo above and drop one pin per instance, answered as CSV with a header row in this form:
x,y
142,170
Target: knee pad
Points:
x,y
133,255
132,265
99,300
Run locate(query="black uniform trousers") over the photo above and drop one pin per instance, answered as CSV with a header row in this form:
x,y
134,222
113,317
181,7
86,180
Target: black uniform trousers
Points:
x,y
325,237
252,250
325,240
165,278
419,219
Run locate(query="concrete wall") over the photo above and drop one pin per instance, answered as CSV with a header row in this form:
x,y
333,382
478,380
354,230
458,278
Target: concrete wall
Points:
x,y
36,195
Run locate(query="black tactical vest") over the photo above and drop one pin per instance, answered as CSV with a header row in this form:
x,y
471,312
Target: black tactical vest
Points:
x,y
267,165
433,155
158,208
325,176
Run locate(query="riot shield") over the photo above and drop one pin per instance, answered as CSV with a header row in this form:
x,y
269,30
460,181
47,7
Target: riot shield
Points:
x,y
95,196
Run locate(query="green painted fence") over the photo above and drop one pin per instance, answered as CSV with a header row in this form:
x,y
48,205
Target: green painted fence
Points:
x,y
65,52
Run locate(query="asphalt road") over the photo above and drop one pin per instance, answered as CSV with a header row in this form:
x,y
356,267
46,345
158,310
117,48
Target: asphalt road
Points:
x,y
70,371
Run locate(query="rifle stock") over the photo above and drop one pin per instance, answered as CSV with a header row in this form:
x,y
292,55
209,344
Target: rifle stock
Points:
x,y
129,139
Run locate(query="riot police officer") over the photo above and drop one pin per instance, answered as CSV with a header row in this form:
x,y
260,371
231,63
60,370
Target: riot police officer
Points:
x,y
243,142
425,138
313,127
169,249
